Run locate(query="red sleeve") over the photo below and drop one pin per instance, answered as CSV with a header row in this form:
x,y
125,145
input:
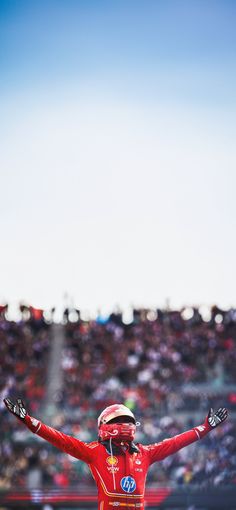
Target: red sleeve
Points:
x,y
68,444
160,451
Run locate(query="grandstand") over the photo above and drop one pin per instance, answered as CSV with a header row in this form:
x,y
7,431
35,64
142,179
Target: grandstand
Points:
x,y
167,366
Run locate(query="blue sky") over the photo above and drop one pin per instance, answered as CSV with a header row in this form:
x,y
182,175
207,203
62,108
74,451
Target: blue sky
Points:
x,y
117,151
135,43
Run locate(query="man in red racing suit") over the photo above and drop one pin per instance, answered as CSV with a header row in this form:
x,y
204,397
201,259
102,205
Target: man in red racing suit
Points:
x,y
118,465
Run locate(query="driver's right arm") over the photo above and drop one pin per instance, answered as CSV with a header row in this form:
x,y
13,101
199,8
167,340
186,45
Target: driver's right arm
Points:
x,y
68,444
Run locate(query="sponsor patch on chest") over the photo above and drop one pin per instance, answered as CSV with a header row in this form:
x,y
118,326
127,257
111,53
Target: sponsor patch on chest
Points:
x,y
112,461
128,484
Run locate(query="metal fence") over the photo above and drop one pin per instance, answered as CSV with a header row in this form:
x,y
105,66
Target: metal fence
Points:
x,y
167,498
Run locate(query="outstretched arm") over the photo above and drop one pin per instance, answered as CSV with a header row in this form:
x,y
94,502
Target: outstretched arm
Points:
x,y
68,444
160,451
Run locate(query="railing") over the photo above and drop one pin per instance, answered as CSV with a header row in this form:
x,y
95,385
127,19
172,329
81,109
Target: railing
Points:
x,y
163,498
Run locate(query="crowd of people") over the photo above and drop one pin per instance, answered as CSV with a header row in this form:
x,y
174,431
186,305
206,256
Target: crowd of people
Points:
x,y
168,366
24,348
147,361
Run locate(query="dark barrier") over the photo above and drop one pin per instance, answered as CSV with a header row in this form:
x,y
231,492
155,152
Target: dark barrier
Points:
x,y
163,498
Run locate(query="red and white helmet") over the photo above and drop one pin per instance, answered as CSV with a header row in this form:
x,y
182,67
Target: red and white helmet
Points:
x,y
121,431
115,411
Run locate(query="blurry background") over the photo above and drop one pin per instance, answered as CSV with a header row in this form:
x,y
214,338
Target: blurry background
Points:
x,y
117,221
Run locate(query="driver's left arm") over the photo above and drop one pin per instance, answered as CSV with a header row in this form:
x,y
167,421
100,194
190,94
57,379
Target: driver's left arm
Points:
x,y
160,451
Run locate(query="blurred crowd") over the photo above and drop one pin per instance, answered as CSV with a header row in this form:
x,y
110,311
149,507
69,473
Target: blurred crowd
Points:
x,y
168,366
24,348
146,361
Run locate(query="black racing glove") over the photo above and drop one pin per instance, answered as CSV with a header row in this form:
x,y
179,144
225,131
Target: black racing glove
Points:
x,y
214,419
17,409
20,412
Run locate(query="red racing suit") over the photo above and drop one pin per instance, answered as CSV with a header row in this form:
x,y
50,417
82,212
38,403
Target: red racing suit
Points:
x,y
121,477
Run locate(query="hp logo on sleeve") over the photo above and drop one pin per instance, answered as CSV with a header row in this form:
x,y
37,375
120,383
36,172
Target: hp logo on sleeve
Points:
x,y
128,484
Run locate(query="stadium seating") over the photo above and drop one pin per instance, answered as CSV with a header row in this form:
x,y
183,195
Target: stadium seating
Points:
x,y
169,367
